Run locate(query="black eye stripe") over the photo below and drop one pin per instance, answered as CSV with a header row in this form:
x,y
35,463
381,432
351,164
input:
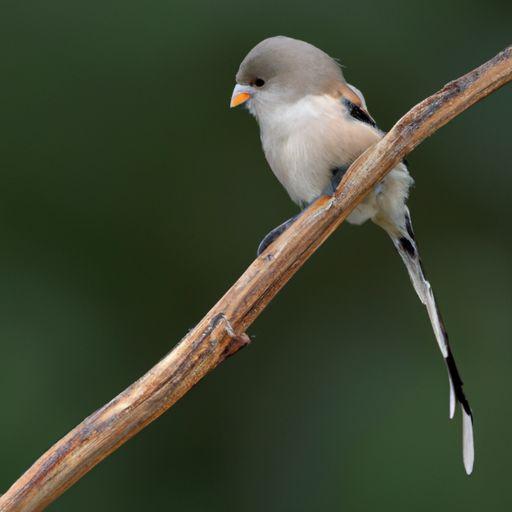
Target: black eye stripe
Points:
x,y
259,82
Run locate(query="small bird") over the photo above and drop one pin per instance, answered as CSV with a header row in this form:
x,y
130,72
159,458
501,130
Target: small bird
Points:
x,y
313,125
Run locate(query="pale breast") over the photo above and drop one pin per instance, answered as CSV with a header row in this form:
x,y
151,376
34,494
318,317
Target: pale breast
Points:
x,y
303,142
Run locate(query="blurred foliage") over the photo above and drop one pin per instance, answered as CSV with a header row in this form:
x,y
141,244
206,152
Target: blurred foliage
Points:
x,y
131,197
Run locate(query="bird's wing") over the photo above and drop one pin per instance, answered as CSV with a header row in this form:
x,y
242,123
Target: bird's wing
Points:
x,y
359,94
355,103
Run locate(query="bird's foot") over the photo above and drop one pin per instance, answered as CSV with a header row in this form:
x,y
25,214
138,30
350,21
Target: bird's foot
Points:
x,y
337,174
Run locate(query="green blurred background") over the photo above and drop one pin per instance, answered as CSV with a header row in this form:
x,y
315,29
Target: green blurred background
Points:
x,y
131,197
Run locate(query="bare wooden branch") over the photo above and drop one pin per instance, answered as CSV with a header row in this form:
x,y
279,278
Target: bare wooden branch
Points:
x,y
221,332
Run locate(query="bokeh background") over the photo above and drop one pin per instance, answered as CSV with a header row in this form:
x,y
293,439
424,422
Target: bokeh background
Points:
x,y
131,197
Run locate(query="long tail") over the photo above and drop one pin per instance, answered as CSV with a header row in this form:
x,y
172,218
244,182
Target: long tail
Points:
x,y
405,243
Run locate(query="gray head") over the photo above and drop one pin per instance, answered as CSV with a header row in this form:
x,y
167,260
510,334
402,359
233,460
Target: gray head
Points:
x,y
284,69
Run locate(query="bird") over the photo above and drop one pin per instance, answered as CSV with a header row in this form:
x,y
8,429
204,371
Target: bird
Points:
x,y
313,125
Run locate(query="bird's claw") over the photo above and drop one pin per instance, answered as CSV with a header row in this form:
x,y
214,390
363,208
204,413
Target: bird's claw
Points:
x,y
274,234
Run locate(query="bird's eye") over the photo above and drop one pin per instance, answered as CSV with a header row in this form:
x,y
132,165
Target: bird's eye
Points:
x,y
259,82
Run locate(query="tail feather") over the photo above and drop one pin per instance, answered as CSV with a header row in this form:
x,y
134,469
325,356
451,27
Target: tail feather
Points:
x,y
405,243
468,445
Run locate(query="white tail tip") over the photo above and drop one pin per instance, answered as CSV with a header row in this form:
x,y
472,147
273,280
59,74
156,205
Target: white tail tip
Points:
x,y
452,398
468,448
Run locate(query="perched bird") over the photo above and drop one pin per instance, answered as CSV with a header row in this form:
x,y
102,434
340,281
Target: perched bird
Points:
x,y
313,125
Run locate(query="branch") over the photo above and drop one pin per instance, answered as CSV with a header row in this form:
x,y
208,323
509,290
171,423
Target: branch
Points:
x,y
215,337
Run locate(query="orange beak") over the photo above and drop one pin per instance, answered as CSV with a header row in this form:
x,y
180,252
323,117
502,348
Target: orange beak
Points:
x,y
241,93
240,98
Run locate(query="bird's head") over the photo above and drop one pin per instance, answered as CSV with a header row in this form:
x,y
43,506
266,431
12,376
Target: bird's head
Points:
x,y
281,70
